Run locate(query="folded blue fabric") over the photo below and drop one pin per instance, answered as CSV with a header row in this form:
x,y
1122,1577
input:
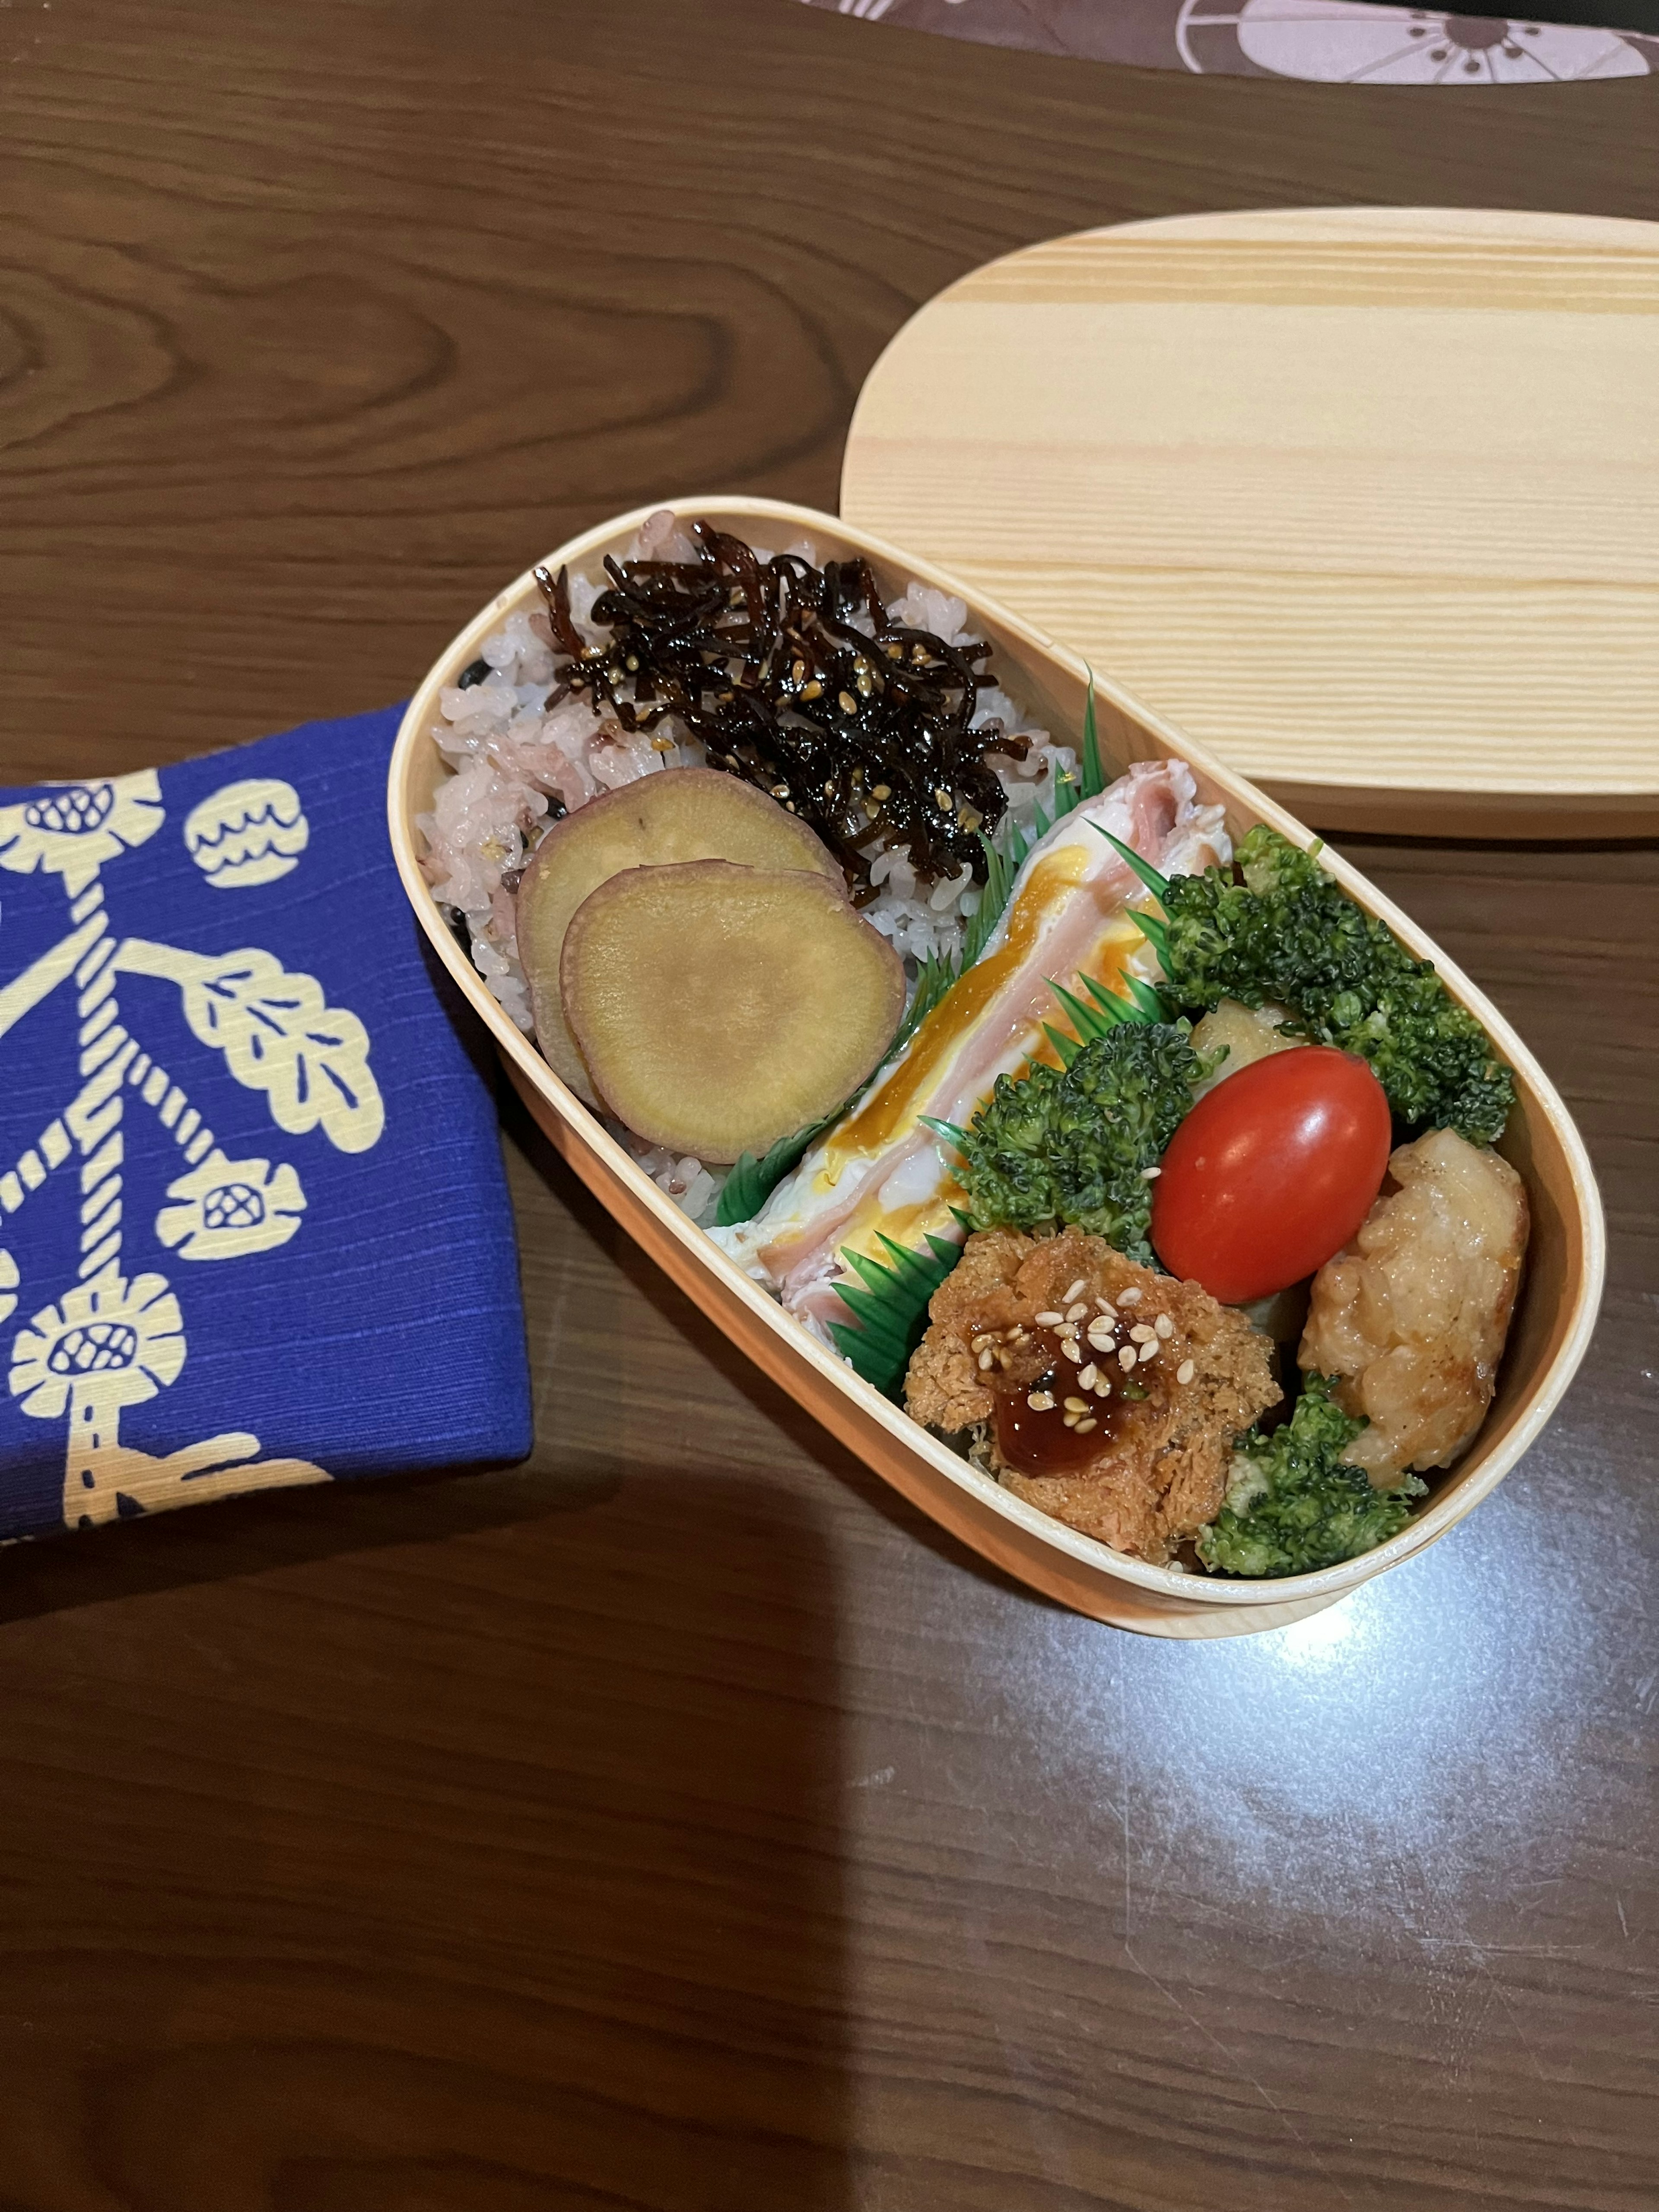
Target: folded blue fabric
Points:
x,y
254,1226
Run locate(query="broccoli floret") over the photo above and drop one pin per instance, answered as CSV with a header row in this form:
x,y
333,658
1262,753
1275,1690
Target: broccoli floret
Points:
x,y
1067,1146
1294,1503
1289,934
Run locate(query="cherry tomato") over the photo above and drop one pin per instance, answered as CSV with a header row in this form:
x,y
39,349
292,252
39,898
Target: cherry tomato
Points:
x,y
1272,1172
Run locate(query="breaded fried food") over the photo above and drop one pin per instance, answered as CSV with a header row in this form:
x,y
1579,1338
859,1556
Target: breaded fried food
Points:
x,y
1413,1314
1104,1394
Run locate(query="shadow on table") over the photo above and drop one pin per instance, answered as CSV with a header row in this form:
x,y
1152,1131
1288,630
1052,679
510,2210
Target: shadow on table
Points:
x,y
274,1529
444,1845
501,1877
539,1176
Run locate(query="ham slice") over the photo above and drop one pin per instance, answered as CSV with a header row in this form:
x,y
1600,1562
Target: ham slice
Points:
x,y
880,1170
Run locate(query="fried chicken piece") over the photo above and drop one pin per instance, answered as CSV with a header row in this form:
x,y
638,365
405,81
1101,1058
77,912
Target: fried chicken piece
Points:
x,y
1413,1315
1018,1340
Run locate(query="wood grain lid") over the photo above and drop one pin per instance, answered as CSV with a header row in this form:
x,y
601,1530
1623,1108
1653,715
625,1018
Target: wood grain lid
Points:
x,y
1366,499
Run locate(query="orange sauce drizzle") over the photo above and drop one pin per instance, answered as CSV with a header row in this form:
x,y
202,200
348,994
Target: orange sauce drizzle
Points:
x,y
893,1108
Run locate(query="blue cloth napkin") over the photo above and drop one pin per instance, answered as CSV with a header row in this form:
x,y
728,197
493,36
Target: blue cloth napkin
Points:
x,y
254,1226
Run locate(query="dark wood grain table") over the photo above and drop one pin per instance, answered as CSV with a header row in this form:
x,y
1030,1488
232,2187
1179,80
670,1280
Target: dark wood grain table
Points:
x,y
678,1821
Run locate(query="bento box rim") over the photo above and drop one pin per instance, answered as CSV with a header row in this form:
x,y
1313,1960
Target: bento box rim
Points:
x,y
1184,1587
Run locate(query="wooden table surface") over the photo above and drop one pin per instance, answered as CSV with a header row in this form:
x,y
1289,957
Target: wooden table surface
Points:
x,y
677,1821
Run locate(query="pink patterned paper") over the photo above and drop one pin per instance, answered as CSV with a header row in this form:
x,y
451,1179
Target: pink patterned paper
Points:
x,y
1322,41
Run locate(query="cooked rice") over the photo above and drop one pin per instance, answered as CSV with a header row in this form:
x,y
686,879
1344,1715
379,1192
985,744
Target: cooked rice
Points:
x,y
514,759
693,1188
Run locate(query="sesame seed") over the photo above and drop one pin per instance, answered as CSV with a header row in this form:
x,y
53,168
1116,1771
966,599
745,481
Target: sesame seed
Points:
x,y
1126,1358
881,791
1083,1427
813,691
1076,1405
1103,1386
1073,1351
1186,1371
848,704
1050,1320
1140,1333
1001,1359
987,1359
1041,1401
1076,1312
1102,1340
1086,1376
1069,1420
1076,1291
1151,1175
1107,1308
1129,1297
1164,1327
1149,1352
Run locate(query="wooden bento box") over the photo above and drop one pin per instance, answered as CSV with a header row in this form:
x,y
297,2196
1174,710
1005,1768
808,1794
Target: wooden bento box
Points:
x,y
1559,1296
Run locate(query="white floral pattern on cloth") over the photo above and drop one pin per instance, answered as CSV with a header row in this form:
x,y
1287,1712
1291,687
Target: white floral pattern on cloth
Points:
x,y
106,1344
1320,41
227,1208
248,833
278,1034
70,830
110,1341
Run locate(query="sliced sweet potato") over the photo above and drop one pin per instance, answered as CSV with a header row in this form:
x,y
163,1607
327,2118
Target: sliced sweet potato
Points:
x,y
682,814
720,1008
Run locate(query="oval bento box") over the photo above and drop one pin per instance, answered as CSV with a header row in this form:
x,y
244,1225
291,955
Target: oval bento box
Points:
x,y
1558,1298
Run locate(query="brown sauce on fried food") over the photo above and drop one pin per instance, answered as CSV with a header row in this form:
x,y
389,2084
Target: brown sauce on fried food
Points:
x,y
1055,1318
1054,1423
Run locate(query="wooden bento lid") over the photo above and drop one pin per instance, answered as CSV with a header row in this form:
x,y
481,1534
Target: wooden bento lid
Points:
x,y
1364,499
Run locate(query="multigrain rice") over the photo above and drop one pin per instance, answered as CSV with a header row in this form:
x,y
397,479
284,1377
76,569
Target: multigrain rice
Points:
x,y
519,763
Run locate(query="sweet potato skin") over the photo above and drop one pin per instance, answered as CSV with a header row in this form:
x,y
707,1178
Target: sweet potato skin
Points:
x,y
681,814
